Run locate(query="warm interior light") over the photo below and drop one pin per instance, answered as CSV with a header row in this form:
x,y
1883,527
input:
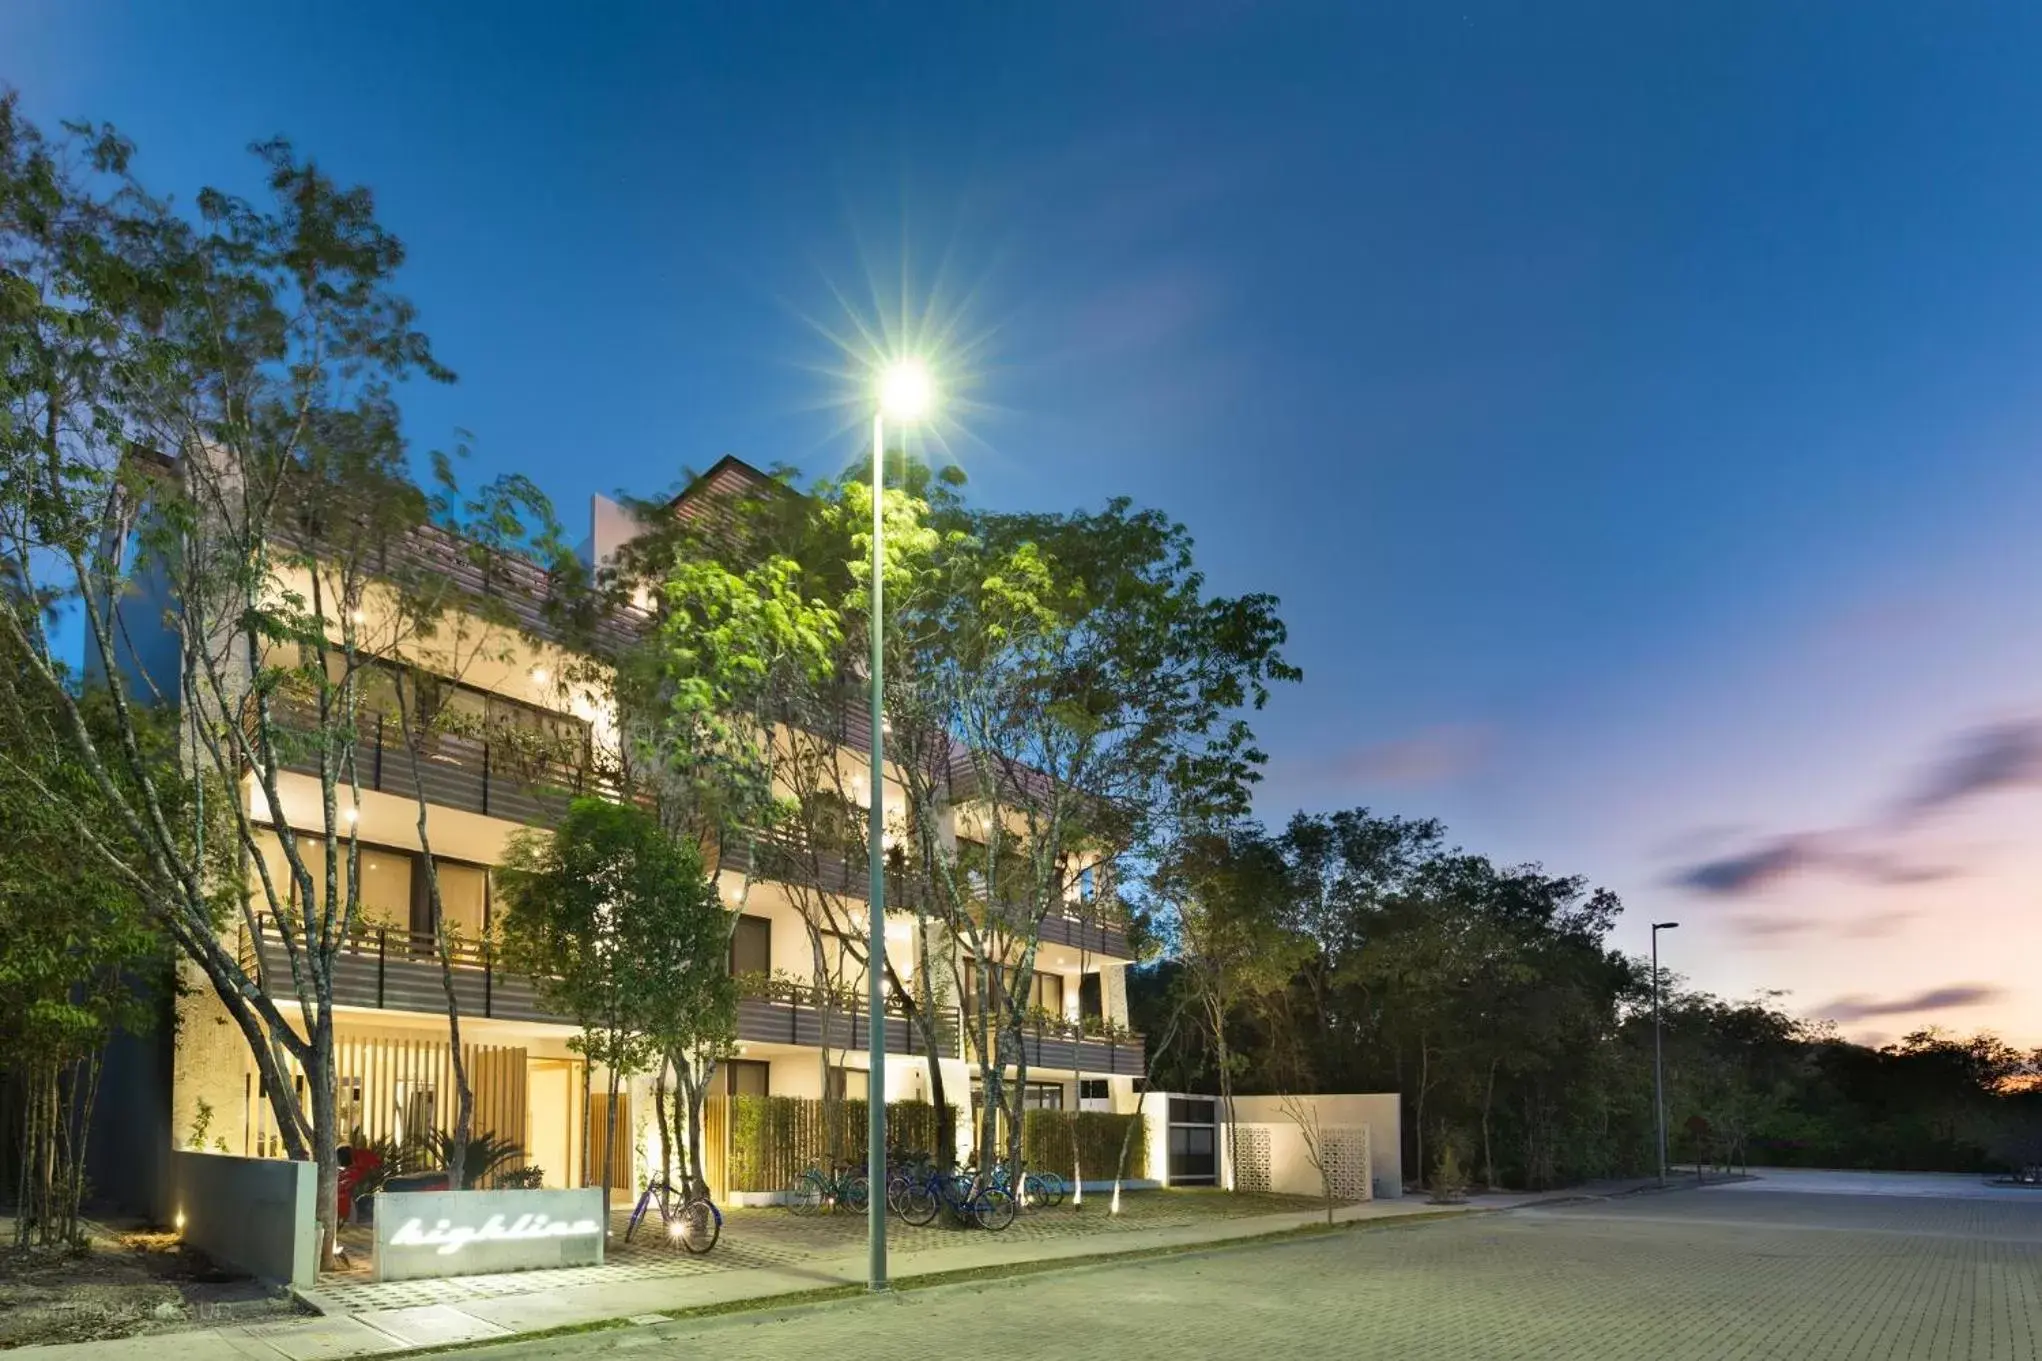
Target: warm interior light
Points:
x,y
540,675
179,1221
905,390
353,815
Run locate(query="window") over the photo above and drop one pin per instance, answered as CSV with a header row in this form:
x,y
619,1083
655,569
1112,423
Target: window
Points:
x,y
751,946
1093,1089
848,1084
385,888
1192,1110
1043,1096
1090,1005
1087,885
1045,990
464,900
747,1077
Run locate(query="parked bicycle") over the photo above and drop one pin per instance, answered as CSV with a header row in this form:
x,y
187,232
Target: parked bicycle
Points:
x,y
690,1220
1038,1189
968,1195
815,1189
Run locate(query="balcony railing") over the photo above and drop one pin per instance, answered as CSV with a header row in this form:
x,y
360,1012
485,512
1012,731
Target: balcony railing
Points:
x,y
474,774
1088,1046
391,969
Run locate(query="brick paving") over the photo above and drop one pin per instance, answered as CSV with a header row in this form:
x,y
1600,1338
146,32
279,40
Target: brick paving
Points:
x,y
755,1238
1682,1276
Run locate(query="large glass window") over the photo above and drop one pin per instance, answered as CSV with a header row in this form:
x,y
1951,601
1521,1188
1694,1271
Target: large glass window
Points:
x,y
464,900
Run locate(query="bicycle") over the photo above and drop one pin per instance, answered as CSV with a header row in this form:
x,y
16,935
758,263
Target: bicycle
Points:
x,y
967,1195
691,1219
814,1189
1044,1189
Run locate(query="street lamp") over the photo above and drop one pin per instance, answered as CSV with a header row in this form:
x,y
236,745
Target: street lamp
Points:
x,y
1658,1057
906,394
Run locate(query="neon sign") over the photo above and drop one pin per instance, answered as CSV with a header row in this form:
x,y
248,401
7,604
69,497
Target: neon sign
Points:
x,y
461,1233
450,1237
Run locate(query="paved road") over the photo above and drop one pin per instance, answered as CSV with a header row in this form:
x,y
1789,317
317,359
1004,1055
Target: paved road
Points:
x,y
1796,1274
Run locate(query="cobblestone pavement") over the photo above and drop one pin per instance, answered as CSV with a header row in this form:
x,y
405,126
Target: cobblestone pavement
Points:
x,y
1681,1276
777,1238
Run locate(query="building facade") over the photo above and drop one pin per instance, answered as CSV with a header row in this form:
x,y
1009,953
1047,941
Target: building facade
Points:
x,y
480,785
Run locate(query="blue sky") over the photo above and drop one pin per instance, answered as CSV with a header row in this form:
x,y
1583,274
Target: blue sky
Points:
x,y
1634,406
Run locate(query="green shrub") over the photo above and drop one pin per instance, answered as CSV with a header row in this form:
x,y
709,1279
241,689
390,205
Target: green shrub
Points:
x,y
772,1138
1088,1141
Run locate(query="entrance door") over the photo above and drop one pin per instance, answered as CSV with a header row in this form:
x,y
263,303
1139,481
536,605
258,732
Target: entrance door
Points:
x,y
550,1125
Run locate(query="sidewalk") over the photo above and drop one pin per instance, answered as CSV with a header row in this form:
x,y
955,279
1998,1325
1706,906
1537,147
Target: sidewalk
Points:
x,y
380,1332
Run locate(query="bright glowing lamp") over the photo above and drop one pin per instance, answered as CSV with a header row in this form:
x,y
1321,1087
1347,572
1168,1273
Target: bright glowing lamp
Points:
x,y
905,390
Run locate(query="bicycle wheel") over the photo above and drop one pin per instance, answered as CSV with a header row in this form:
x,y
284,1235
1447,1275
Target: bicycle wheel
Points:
x,y
919,1204
1056,1188
696,1225
993,1208
806,1193
855,1193
1035,1191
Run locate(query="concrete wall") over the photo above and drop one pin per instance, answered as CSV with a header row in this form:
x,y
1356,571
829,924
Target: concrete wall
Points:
x,y
1381,1112
1277,1157
256,1214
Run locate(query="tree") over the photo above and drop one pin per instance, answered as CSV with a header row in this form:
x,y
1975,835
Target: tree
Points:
x,y
1227,892
1057,680
619,926
200,428
719,700
78,964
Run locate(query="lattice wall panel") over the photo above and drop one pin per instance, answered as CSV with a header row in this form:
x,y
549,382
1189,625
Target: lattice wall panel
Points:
x,y
1346,1151
1252,1158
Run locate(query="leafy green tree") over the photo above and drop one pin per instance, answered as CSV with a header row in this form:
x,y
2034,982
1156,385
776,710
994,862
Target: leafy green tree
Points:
x,y
80,961
619,927
200,428
1065,683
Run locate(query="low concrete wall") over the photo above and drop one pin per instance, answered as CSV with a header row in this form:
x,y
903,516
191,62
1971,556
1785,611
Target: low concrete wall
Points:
x,y
255,1214
1381,1112
468,1233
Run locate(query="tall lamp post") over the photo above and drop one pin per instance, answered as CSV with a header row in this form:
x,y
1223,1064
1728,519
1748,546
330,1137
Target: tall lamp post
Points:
x,y
1658,1054
905,393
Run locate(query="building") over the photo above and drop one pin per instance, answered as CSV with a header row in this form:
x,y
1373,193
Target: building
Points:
x,y
481,787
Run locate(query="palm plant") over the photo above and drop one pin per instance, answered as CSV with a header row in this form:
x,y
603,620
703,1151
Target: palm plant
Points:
x,y
485,1154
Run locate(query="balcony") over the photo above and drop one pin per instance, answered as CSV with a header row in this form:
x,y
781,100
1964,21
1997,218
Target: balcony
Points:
x,y
386,969
473,774
780,1011
396,970
1088,1047
1091,928
784,856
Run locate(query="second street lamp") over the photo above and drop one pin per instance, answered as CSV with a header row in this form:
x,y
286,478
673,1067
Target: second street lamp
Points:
x,y
905,394
1658,1061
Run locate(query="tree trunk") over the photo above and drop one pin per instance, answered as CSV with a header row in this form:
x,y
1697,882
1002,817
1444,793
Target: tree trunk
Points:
x,y
659,1111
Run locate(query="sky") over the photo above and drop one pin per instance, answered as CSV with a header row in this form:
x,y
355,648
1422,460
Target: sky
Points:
x,y
1633,406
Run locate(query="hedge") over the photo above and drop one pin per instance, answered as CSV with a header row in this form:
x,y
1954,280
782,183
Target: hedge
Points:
x,y
773,1138
1085,1141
